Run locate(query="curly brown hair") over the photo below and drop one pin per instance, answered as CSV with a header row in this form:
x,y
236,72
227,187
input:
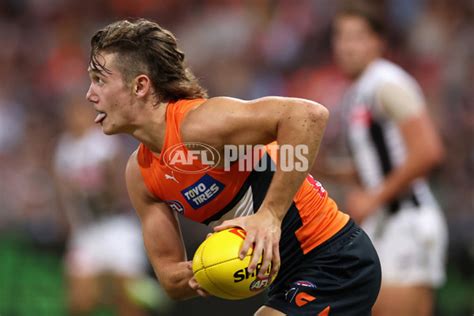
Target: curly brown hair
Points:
x,y
144,47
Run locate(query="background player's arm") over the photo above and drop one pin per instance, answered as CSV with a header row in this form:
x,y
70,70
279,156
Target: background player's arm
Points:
x,y
162,236
424,149
289,121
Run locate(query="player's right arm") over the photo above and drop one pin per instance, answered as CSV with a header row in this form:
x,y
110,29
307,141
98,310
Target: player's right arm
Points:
x,y
162,236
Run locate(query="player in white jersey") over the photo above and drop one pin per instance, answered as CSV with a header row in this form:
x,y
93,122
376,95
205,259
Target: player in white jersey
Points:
x,y
394,145
104,239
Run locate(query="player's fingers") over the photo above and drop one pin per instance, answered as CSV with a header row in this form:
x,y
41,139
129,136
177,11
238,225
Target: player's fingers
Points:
x,y
257,254
193,284
267,259
275,259
202,293
226,224
249,239
208,235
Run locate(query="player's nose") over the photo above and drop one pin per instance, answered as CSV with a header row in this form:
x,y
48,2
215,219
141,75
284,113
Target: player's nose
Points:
x,y
91,96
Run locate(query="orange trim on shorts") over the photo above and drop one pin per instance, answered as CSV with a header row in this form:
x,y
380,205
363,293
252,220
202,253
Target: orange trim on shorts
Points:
x,y
325,311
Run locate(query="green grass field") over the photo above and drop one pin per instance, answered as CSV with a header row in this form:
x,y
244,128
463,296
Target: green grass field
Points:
x,y
32,283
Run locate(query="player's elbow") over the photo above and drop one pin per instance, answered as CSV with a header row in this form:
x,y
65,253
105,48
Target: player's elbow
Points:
x,y
429,157
436,155
316,113
320,112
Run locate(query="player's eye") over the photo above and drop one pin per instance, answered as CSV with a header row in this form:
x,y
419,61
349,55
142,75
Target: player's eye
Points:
x,y
97,79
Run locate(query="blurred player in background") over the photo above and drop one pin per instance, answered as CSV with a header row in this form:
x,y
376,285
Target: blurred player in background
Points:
x,y
105,241
394,145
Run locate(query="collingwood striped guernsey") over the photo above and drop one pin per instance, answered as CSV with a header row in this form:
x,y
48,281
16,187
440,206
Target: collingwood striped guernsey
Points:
x,y
374,138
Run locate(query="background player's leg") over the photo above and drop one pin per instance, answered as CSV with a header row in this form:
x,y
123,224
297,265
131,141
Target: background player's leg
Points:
x,y
406,300
125,306
267,311
83,294
82,275
125,259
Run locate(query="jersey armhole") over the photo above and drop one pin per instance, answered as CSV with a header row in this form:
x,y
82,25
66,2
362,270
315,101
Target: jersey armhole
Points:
x,y
145,160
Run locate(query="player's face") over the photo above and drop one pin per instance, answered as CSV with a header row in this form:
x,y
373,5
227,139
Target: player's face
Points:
x,y
355,44
111,97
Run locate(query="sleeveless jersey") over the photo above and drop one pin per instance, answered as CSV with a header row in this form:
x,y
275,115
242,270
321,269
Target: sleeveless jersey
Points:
x,y
374,138
217,194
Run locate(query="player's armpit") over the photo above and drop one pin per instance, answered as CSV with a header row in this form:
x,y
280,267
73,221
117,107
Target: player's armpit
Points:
x,y
162,236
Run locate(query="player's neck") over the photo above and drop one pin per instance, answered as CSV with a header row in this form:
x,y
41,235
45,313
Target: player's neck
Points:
x,y
367,64
152,127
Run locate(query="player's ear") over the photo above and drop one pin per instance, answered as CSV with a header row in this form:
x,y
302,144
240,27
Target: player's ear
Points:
x,y
141,85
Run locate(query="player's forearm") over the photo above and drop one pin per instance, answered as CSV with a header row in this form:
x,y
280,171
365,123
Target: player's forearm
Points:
x,y
175,280
402,177
303,124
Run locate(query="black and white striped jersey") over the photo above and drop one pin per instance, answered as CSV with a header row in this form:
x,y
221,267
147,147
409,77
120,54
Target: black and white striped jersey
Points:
x,y
373,136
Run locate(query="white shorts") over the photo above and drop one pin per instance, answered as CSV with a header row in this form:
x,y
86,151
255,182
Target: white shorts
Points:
x,y
411,245
113,245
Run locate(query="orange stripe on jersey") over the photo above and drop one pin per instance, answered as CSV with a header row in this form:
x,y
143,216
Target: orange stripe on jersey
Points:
x,y
319,214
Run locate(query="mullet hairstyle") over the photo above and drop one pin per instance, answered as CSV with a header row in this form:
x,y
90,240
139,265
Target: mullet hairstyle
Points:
x,y
144,47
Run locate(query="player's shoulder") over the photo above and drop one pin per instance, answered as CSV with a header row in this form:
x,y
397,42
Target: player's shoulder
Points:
x,y
384,71
211,105
205,121
219,101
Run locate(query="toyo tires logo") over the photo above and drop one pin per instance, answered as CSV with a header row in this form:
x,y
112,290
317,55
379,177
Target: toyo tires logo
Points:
x,y
191,157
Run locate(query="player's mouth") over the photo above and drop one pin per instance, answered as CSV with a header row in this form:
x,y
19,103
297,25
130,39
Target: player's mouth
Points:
x,y
100,117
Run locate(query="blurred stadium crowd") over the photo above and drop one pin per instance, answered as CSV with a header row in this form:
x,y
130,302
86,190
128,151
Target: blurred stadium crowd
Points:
x,y
238,48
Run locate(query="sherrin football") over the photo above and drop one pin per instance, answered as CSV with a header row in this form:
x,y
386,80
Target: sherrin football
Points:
x,y
219,270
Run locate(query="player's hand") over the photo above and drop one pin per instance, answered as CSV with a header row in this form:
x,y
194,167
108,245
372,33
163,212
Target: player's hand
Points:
x,y
361,203
263,232
195,285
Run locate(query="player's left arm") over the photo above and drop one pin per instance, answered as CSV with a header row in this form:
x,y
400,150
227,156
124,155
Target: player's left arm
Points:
x,y
289,121
424,149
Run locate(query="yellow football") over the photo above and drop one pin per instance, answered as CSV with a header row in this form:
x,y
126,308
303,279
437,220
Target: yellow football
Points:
x,y
219,270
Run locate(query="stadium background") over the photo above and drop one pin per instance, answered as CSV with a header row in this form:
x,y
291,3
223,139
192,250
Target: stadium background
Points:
x,y
244,49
